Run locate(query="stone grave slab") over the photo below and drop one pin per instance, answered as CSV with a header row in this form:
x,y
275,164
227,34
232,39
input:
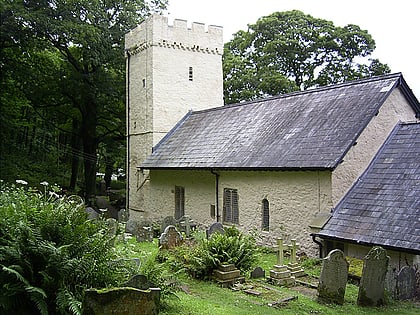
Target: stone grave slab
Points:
x,y
227,275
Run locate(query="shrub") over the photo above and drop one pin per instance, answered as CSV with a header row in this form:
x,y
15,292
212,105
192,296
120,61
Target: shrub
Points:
x,y
201,259
50,253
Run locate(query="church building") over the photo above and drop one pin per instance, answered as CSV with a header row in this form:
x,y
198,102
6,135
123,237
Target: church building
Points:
x,y
276,167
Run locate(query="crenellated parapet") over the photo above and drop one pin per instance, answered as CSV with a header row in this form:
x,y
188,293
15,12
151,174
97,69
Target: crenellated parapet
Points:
x,y
156,32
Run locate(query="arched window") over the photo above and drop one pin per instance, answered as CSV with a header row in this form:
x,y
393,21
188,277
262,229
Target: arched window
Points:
x,y
265,215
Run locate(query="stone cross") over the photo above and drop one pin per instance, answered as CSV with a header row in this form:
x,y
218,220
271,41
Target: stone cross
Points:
x,y
293,248
280,256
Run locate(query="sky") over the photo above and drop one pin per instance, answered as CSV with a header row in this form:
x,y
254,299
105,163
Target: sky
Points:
x,y
394,25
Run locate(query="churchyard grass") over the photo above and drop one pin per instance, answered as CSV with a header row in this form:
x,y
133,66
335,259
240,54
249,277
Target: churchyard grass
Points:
x,y
201,297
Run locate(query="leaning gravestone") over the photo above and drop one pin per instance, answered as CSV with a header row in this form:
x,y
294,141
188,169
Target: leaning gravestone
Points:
x,y
112,226
372,283
333,279
170,238
166,222
216,227
131,226
139,282
406,283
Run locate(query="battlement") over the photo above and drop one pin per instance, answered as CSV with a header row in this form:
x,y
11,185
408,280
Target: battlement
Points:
x,y
155,31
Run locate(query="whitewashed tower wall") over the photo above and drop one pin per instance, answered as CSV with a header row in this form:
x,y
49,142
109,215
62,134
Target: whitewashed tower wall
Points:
x,y
171,69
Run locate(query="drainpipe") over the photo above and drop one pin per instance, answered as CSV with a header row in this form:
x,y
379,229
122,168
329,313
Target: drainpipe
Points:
x,y
319,244
217,195
127,202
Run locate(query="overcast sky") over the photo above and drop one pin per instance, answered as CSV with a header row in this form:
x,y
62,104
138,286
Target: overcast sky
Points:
x,y
394,25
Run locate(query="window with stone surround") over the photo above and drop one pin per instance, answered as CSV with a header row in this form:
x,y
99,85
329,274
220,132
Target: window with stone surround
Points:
x,y
230,206
265,215
190,73
179,202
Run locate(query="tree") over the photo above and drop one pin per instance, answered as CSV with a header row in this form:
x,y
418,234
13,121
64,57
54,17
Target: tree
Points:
x,y
88,35
288,51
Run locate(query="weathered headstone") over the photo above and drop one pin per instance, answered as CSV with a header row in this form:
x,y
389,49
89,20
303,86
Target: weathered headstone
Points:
x,y
123,215
92,213
121,301
112,226
139,282
372,283
170,238
186,224
216,227
294,267
131,226
406,283
258,272
166,222
333,279
144,231
280,274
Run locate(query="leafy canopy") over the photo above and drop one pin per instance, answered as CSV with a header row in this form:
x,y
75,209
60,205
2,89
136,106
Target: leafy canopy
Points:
x,y
289,51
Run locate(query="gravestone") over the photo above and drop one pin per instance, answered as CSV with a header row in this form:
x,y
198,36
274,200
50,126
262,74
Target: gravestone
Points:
x,y
406,283
372,283
139,282
144,231
294,267
123,215
280,274
258,272
216,227
170,238
131,227
166,222
112,226
186,224
92,213
333,279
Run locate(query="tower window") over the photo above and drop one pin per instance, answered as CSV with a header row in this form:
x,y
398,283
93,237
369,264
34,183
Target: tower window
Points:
x,y
190,74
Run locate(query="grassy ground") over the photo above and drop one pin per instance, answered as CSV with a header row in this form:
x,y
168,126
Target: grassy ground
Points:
x,y
205,297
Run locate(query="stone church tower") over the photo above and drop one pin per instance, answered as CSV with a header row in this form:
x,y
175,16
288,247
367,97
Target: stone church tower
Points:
x,y
170,70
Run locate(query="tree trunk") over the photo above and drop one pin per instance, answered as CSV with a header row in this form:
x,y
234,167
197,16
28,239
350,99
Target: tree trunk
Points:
x,y
76,146
90,145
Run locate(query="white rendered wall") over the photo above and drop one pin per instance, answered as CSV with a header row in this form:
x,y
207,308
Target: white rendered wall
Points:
x,y
358,158
294,198
159,89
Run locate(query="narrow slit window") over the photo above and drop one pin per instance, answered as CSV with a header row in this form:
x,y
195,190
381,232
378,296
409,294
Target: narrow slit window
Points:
x,y
265,215
179,202
190,73
144,83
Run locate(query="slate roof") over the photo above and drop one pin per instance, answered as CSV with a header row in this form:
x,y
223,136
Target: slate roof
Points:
x,y
312,129
383,206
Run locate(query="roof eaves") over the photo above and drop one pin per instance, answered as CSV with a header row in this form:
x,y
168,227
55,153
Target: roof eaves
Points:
x,y
356,242
408,93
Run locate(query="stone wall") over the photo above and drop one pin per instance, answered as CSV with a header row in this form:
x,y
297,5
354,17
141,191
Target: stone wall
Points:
x,y
170,69
358,158
294,198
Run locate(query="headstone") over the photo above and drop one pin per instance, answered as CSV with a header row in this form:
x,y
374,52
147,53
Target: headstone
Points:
x,y
294,267
186,224
112,226
372,283
258,272
406,283
170,238
280,274
92,213
144,233
123,215
121,301
139,282
216,227
166,222
131,226
333,279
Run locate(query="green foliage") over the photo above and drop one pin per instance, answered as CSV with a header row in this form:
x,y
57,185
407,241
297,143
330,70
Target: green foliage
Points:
x,y
50,253
201,258
289,51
